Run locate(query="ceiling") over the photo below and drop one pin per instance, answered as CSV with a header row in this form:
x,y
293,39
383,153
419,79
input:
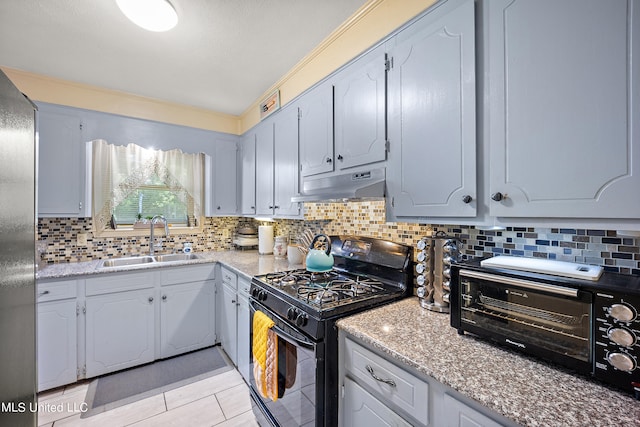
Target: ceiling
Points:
x,y
222,56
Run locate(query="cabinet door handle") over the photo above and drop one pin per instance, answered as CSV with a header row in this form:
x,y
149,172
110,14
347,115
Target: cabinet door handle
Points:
x,y
233,301
340,157
164,297
329,160
467,198
150,300
43,293
392,383
497,196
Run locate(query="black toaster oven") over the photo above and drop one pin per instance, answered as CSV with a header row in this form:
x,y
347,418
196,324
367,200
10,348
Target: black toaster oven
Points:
x,y
586,322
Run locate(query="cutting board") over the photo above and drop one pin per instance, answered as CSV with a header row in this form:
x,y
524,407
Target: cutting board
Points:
x,y
545,266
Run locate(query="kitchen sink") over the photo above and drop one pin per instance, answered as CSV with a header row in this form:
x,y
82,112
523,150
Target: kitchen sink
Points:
x,y
126,262
176,257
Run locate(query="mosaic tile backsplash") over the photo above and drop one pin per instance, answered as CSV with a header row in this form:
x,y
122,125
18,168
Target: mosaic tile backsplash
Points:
x,y
602,247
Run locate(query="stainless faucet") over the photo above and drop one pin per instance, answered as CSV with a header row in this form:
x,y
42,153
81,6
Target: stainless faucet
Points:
x,y
166,231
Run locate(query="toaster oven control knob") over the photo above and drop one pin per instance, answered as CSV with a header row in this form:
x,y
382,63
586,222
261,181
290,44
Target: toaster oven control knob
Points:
x,y
621,361
301,320
622,336
622,312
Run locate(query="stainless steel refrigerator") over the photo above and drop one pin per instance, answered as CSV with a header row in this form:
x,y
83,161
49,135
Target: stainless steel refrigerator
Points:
x,y
17,258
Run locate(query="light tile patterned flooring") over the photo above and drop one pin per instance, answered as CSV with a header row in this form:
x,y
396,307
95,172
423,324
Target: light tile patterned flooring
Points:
x,y
222,401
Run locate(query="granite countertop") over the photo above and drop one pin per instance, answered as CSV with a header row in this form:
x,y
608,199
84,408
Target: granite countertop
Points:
x,y
527,391
246,263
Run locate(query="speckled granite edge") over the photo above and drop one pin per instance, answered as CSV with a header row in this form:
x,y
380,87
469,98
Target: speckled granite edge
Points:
x,y
246,263
522,389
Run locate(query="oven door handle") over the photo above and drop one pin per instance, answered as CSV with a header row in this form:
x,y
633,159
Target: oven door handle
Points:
x,y
528,284
281,333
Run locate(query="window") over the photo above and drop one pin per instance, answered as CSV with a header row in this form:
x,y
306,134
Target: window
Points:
x,y
132,184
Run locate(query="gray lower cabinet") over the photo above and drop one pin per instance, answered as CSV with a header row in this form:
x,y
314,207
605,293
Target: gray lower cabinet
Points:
x,y
136,317
120,322
244,328
187,315
378,391
57,327
431,120
227,318
563,107
233,319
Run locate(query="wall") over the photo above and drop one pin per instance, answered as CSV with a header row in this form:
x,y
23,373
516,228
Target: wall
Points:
x,y
368,25
602,247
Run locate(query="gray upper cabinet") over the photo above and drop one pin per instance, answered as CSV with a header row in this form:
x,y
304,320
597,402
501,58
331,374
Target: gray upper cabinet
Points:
x,y
248,175
360,111
286,179
264,168
225,197
315,111
431,121
563,108
277,175
60,164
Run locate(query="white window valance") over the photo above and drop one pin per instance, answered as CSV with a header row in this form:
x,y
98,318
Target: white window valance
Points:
x,y
120,170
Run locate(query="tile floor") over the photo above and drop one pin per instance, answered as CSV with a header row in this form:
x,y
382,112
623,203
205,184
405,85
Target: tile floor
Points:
x,y
221,401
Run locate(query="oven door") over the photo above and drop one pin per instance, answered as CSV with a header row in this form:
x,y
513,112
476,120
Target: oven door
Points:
x,y
537,318
298,379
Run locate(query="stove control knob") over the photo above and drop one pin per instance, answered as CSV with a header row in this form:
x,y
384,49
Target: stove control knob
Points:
x,y
622,312
254,292
301,320
622,336
262,295
292,313
621,361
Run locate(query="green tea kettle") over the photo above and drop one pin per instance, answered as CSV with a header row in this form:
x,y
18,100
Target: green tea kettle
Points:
x,y
319,258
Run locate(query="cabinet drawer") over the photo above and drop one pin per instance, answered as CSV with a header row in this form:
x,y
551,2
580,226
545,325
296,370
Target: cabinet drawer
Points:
x,y
56,290
119,282
229,277
244,285
409,393
187,274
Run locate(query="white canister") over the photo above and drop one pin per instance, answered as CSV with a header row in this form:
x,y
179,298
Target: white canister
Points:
x,y
265,239
294,254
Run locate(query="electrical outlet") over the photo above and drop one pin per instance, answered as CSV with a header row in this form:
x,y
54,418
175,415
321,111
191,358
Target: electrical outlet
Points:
x,y
82,239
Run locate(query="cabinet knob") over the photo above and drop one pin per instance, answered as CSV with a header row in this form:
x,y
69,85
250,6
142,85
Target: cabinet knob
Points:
x,y
497,196
277,207
233,301
329,160
218,208
150,299
43,293
270,206
467,198
340,157
164,297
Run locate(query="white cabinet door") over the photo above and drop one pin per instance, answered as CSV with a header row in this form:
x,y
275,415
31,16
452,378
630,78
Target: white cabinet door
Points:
x,y
60,164
264,168
225,200
458,414
57,343
360,111
119,330
243,327
563,108
362,409
286,178
248,184
316,130
432,126
227,321
187,317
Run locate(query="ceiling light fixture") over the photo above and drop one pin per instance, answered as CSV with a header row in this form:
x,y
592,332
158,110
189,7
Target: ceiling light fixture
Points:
x,y
152,15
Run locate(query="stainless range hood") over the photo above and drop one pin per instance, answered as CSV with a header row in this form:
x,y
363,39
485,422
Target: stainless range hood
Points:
x,y
364,184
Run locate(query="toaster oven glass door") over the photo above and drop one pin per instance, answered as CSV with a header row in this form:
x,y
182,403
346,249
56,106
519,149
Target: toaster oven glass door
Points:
x,y
527,314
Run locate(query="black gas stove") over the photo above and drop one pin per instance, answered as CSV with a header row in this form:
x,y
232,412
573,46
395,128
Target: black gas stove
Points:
x,y
305,305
